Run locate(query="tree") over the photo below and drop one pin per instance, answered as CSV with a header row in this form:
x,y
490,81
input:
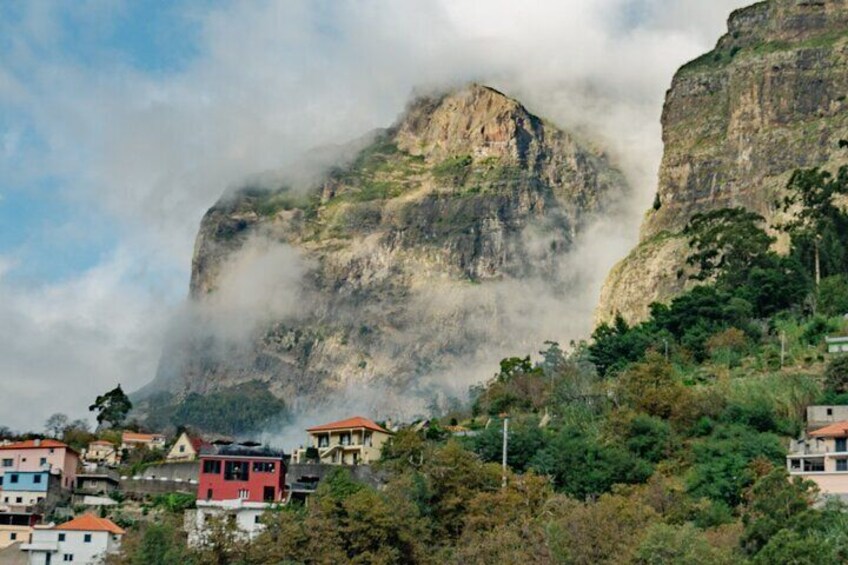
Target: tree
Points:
x,y
727,243
812,201
679,545
56,425
836,374
833,296
112,408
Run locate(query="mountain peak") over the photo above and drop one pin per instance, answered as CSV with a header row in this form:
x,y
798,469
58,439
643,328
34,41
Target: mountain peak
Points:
x,y
476,120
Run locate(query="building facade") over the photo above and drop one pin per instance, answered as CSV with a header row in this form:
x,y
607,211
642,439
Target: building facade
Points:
x,y
837,344
22,490
41,455
86,540
102,452
822,457
16,527
186,448
132,440
355,441
237,483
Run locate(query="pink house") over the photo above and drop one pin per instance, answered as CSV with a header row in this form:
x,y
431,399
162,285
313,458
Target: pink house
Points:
x,y
41,455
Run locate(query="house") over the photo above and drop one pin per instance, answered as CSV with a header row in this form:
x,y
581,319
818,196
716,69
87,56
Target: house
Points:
x,y
132,440
84,540
822,457
186,448
16,527
353,441
24,489
837,344
95,489
102,452
41,455
821,416
238,482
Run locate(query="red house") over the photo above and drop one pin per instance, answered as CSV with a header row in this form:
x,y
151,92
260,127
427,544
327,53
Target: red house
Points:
x,y
242,472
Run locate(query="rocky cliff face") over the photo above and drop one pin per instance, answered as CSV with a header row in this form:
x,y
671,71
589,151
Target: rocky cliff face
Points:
x,y
404,255
771,97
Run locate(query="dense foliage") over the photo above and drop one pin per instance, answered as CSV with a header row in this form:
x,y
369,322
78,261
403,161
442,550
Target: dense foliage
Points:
x,y
660,442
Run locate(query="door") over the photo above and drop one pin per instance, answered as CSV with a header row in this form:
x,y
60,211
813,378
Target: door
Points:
x,y
268,494
840,444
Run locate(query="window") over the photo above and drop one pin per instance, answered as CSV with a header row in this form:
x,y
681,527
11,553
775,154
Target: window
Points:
x,y
323,441
51,453
13,478
367,439
8,462
830,411
345,438
42,461
236,470
264,466
23,458
182,449
61,537
840,444
13,536
243,493
19,500
36,479
813,465
68,557
86,538
212,467
257,519
842,464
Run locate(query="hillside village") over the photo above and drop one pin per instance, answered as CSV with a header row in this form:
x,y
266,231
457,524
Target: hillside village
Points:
x,y
63,503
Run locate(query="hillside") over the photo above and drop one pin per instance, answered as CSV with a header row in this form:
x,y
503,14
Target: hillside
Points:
x,y
429,249
771,97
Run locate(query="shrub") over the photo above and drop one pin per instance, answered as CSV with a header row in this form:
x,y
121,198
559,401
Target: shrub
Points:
x,y
836,374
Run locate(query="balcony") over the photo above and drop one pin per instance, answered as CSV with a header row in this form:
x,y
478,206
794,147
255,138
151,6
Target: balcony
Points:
x,y
815,447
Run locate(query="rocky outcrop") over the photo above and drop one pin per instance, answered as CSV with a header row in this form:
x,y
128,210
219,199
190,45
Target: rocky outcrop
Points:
x,y
404,255
771,97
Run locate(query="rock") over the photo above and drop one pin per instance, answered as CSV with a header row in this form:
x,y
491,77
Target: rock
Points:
x,y
406,254
771,97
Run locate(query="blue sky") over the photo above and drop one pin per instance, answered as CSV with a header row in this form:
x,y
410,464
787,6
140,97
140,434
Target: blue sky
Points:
x,y
121,122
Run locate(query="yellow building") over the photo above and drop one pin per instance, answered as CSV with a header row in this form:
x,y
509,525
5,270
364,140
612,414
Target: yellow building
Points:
x,y
355,441
186,448
102,452
16,527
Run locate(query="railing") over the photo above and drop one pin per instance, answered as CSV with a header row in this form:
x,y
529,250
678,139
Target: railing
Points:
x,y
813,447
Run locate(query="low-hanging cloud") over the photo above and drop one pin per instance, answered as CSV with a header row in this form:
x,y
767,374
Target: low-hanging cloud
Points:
x,y
270,80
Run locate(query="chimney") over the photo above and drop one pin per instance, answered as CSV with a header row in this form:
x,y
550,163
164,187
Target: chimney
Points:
x,y
37,443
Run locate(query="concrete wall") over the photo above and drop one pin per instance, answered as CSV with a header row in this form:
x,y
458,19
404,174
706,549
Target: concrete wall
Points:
x,y
187,470
141,487
364,474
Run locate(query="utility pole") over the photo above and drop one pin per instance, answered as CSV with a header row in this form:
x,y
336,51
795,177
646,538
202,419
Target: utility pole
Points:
x,y
782,348
505,440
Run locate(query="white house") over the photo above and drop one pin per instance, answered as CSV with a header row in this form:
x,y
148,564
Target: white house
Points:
x,y
85,540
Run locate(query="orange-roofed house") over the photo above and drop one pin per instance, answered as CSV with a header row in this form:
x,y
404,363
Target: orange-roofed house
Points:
x,y
354,441
40,455
86,539
822,457
102,452
132,440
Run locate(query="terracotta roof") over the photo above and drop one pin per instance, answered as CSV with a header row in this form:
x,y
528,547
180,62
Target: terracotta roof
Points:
x,y
198,443
30,444
839,429
92,523
355,422
133,436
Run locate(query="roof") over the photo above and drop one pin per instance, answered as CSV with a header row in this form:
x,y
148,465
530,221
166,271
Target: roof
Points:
x,y
134,436
837,339
247,451
839,429
102,442
355,422
35,444
196,442
92,523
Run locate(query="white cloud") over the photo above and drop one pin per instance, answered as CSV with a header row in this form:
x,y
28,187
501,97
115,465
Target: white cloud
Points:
x,y
272,80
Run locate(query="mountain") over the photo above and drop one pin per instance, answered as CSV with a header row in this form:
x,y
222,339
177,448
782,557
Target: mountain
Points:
x,y
398,269
770,98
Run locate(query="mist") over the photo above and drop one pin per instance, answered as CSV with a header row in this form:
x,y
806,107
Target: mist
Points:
x,y
150,150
